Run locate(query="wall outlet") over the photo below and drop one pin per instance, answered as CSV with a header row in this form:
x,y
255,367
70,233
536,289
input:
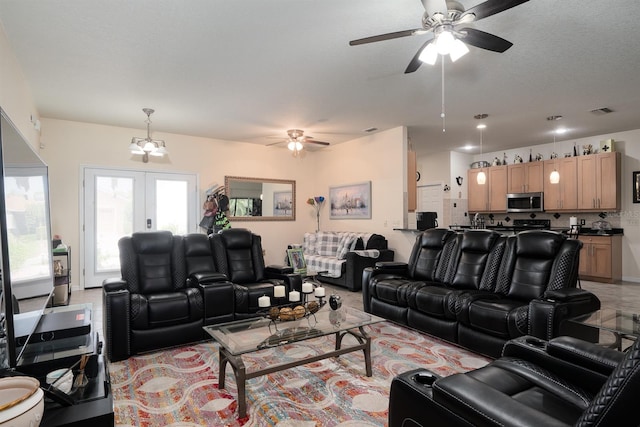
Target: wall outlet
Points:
x,y
583,222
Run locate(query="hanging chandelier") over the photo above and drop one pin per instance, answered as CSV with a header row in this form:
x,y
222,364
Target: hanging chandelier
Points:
x,y
147,146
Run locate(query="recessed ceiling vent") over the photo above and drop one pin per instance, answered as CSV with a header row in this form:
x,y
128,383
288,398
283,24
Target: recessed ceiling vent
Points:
x,y
601,111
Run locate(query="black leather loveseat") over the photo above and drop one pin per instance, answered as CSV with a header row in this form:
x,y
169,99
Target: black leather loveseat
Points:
x,y
562,382
479,289
171,286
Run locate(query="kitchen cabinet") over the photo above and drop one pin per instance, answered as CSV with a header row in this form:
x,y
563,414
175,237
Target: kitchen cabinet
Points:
x,y
525,177
562,196
490,197
601,258
412,181
599,181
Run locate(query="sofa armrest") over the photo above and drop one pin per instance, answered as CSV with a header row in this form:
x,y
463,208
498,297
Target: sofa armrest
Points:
x,y
583,353
355,265
278,269
548,315
218,296
391,265
116,319
198,279
292,281
114,285
589,364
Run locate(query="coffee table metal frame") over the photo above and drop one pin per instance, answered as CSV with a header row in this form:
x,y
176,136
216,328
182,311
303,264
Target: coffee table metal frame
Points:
x,y
350,321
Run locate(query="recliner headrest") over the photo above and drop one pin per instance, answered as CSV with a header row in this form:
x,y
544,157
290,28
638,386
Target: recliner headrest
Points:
x,y
435,237
196,245
152,242
478,240
237,238
539,243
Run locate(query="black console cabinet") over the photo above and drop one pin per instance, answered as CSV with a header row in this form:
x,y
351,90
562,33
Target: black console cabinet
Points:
x,y
91,405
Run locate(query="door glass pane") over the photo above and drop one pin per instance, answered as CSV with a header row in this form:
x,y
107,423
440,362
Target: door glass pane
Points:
x,y
27,226
172,206
114,219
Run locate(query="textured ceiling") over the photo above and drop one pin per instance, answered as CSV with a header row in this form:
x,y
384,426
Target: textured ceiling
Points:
x,y
250,70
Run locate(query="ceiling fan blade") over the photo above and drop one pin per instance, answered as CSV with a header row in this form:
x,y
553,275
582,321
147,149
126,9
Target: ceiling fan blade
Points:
x,y
491,7
313,141
274,143
387,36
415,62
484,40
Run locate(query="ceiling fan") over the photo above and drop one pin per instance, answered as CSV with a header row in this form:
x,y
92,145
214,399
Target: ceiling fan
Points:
x,y
442,18
296,141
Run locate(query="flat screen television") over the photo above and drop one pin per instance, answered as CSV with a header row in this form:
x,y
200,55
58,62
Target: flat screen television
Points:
x,y
26,268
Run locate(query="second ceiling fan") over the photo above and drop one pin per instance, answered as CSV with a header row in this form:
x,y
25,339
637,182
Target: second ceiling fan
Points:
x,y
297,140
442,19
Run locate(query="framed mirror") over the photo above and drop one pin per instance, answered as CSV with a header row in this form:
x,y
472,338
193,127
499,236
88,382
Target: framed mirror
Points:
x,y
260,199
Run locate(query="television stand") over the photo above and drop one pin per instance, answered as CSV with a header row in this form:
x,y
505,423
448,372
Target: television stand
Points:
x,y
90,405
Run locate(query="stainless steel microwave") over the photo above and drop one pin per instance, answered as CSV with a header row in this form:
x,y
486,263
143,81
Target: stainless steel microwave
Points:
x,y
525,202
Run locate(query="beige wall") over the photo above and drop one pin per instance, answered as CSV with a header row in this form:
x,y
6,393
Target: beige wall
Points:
x,y
15,94
68,146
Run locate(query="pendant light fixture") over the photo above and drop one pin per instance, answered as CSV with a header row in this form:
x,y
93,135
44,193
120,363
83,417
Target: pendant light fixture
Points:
x,y
481,177
147,146
554,176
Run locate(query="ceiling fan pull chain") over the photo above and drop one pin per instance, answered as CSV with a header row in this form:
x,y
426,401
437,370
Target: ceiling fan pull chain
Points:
x,y
442,112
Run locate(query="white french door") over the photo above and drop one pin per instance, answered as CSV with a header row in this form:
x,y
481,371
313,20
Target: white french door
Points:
x,y
120,202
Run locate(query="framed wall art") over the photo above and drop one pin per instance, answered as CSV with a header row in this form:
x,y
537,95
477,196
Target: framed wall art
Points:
x,y
636,187
352,201
282,203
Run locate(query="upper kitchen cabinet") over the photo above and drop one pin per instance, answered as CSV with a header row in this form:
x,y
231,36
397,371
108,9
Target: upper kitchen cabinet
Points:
x,y
490,196
599,181
525,177
562,196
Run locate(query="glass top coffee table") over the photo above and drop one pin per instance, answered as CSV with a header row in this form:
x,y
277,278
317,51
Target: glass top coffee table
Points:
x,y
252,335
622,324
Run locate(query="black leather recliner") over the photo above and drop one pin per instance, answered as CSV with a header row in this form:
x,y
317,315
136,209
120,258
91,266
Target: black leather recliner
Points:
x,y
534,262
389,286
151,306
472,270
238,255
562,382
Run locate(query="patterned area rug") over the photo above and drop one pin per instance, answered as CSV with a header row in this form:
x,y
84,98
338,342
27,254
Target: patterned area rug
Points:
x,y
178,387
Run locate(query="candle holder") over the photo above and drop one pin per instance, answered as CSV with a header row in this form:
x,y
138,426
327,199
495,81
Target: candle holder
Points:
x,y
305,296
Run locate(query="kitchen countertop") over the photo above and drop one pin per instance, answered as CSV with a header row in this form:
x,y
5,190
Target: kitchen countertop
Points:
x,y
585,231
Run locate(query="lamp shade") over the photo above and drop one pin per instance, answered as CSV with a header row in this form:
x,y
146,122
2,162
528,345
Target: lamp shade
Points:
x,y
444,42
458,50
554,177
135,148
481,178
429,54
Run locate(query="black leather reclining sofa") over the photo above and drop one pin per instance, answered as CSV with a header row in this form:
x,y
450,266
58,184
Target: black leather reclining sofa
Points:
x,y
171,286
479,289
